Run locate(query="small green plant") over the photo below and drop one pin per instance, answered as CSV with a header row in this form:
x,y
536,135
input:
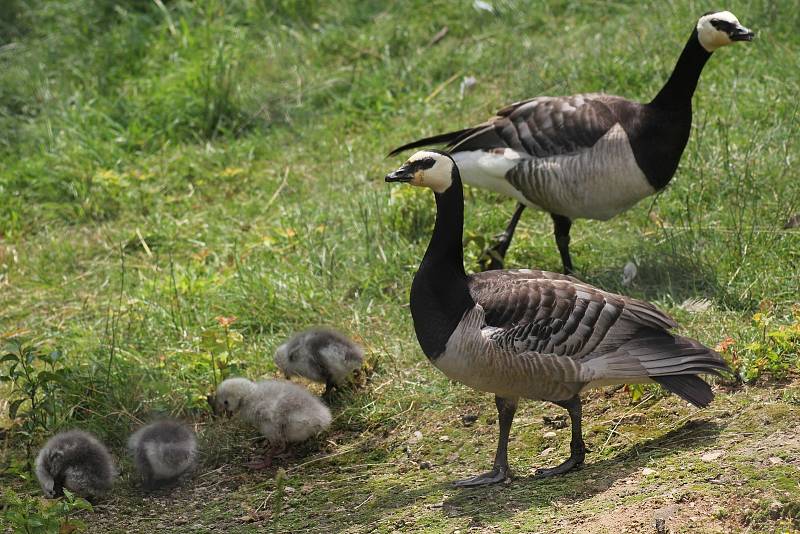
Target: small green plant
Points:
x,y
35,515
36,378
280,495
636,391
219,343
775,351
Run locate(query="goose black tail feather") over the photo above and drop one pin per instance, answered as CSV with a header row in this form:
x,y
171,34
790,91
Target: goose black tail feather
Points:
x,y
691,388
450,138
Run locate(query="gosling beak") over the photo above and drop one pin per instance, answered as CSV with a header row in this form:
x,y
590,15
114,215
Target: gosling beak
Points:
x,y
742,34
403,174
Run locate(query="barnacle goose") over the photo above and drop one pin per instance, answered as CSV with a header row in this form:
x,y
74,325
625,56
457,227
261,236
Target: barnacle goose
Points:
x,y
320,354
586,156
535,334
283,412
77,461
162,451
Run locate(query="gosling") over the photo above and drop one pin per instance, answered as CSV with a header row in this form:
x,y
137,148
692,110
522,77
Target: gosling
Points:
x,y
77,461
162,452
283,412
322,355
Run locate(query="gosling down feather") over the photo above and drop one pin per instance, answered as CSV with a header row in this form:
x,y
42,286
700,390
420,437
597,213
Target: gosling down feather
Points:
x,y
282,411
320,354
535,334
586,156
77,461
162,451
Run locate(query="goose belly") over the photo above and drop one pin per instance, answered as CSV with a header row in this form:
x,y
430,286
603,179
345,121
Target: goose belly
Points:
x,y
473,360
592,183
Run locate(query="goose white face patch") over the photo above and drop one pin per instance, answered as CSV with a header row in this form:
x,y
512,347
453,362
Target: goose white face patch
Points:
x,y
710,35
435,170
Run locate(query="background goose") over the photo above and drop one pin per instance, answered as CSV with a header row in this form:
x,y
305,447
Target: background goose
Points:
x,y
320,354
535,334
75,460
162,451
283,412
587,156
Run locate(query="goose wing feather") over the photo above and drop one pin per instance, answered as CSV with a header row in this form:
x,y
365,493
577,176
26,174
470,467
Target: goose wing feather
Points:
x,y
554,314
566,329
543,126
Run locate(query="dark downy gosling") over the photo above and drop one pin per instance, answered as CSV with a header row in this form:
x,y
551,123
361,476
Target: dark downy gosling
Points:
x,y
77,461
162,452
283,412
320,354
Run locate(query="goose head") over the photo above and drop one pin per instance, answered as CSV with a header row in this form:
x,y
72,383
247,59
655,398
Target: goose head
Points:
x,y
283,358
53,464
230,395
427,168
721,28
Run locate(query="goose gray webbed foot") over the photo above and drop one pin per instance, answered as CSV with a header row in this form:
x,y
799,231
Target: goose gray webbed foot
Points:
x,y
493,258
576,447
497,474
573,462
500,472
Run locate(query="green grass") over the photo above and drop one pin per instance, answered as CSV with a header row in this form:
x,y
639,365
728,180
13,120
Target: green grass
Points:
x,y
164,164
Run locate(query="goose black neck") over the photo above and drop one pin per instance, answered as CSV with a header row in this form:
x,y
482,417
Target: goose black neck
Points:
x,y
440,294
679,89
446,248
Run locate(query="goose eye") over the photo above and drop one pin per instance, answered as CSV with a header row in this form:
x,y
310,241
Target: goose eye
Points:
x,y
225,403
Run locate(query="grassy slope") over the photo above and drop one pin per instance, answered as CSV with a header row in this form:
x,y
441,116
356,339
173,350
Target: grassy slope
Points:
x,y
245,146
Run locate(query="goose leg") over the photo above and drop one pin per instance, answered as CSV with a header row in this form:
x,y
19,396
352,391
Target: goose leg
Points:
x,y
269,455
500,471
329,386
561,226
492,258
577,448
146,469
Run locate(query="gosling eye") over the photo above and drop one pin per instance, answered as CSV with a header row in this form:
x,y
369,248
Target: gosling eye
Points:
x,y
225,403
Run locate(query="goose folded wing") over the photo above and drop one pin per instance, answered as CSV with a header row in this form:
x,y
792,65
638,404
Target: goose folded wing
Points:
x,y
556,315
542,127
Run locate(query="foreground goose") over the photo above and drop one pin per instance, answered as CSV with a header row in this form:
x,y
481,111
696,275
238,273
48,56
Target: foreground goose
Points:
x,y
587,156
535,334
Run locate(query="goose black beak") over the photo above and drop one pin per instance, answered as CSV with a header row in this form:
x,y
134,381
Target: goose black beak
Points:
x,y
403,174
742,34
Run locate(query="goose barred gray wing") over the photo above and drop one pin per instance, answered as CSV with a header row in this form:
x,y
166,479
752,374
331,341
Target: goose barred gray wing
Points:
x,y
540,127
557,314
604,336
543,126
